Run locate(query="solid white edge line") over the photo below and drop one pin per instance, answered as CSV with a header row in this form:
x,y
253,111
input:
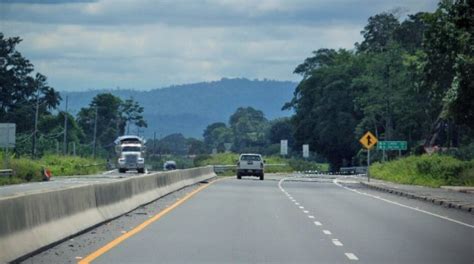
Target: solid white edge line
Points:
x,y
335,181
351,256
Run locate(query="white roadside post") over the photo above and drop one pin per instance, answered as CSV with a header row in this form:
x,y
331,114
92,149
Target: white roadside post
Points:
x,y
7,139
305,151
283,147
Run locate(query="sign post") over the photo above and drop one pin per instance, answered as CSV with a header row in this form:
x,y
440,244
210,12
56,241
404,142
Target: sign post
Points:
x,y
368,140
283,147
305,151
7,139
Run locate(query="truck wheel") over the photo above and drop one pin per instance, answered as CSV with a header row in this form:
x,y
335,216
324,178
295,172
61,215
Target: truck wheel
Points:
x,y
141,170
239,176
261,176
122,170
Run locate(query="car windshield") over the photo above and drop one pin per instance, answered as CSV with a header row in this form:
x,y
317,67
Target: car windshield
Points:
x,y
130,149
250,158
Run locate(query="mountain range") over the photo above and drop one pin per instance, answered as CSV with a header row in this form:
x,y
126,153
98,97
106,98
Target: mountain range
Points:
x,y
190,108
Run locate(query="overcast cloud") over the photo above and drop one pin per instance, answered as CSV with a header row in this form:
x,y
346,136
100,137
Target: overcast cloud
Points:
x,y
146,44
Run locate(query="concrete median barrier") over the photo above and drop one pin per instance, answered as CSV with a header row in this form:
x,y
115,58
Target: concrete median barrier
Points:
x,y
31,222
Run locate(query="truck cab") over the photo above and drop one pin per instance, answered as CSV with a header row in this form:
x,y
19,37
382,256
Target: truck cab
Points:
x,y
131,157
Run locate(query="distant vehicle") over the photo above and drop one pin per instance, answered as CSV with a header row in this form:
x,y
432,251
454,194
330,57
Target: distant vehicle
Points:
x,y
250,164
169,165
131,153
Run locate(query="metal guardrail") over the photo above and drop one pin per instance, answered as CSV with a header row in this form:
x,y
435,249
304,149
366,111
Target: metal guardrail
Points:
x,y
6,172
353,170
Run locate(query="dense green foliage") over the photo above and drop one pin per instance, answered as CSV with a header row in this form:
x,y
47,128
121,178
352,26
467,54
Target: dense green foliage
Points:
x,y
409,80
433,171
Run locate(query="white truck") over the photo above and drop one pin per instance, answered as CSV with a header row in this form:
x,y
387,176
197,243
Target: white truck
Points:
x,y
131,153
250,164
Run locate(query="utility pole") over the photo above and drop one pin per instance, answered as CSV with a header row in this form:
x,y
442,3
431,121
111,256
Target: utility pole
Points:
x,y
65,129
154,142
95,132
33,147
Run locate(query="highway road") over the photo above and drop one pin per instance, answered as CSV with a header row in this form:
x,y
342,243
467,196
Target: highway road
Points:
x,y
286,220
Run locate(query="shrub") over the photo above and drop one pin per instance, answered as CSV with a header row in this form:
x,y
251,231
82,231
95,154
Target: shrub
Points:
x,y
434,170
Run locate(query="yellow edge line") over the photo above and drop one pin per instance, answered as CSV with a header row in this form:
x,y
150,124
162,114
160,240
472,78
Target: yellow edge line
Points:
x,y
139,228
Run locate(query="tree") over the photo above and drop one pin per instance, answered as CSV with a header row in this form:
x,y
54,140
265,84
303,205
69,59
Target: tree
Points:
x,y
20,91
378,33
214,134
110,123
175,144
325,115
447,69
196,147
279,129
132,113
459,99
248,127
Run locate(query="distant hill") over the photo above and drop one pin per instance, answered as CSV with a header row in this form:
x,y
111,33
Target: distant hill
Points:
x,y
189,108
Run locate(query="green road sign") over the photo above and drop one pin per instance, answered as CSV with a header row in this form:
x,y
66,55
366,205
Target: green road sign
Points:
x,y
392,145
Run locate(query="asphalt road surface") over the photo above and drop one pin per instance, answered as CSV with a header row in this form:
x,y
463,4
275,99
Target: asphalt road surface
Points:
x,y
293,220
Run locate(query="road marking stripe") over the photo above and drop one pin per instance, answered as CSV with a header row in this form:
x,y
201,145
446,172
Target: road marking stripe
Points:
x,y
326,232
305,211
297,204
311,216
317,223
337,242
301,207
351,256
140,227
402,205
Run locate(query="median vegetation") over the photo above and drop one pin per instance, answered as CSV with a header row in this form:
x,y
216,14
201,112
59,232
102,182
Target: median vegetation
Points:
x,y
426,170
26,169
274,164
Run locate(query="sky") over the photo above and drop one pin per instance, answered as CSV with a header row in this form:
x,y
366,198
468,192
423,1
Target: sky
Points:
x,y
148,44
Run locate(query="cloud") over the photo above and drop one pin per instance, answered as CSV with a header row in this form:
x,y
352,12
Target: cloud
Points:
x,y
148,44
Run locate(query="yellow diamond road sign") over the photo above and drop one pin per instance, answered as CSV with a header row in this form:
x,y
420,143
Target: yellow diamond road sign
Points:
x,y
368,140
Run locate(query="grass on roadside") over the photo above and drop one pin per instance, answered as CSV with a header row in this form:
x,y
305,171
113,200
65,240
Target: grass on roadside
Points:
x,y
275,164
26,169
426,170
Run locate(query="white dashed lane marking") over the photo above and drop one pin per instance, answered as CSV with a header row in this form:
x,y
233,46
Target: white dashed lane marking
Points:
x,y
351,256
337,242
326,232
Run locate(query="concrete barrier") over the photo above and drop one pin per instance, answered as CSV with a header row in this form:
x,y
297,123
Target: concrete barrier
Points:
x,y
34,221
